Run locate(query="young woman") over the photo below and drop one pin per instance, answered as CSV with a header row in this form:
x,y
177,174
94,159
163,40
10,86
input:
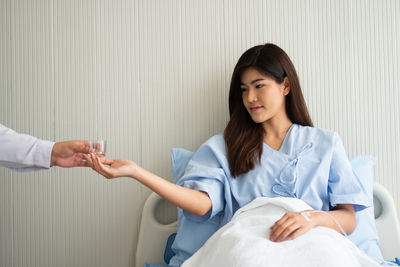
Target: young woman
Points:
x,y
269,148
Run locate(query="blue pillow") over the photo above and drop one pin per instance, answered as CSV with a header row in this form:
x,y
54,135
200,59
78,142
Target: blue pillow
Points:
x,y
365,235
191,234
180,158
169,253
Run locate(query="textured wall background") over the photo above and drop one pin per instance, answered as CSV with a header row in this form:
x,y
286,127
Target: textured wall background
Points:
x,y
152,75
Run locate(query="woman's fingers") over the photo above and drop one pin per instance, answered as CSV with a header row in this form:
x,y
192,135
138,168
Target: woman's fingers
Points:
x,y
115,169
94,163
279,222
297,233
88,160
97,163
103,169
289,227
106,161
288,231
278,229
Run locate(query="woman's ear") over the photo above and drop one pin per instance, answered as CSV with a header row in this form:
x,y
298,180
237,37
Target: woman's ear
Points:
x,y
286,88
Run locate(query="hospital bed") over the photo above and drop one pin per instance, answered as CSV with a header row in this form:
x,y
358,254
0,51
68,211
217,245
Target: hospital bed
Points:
x,y
153,234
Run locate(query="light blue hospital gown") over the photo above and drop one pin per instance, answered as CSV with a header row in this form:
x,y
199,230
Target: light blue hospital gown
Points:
x,y
311,165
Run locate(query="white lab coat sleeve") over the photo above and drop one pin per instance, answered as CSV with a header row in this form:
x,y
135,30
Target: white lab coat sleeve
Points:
x,y
23,152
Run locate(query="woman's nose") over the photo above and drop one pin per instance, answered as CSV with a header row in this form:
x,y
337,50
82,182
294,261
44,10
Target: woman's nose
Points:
x,y
252,95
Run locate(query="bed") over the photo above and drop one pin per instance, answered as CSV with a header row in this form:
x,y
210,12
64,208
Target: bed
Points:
x,y
154,234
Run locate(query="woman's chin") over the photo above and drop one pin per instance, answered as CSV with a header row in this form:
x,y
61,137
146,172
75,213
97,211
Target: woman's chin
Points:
x,y
261,118
258,120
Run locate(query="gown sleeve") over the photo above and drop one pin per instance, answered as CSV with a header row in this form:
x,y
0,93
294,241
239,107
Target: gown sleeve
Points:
x,y
205,173
343,186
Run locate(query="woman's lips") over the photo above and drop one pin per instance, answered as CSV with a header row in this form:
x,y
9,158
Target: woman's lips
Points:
x,y
255,108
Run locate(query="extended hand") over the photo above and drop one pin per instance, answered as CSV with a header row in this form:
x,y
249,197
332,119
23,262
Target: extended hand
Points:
x,y
290,226
116,168
69,154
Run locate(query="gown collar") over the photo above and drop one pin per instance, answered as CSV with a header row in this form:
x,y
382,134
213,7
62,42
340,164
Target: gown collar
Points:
x,y
283,148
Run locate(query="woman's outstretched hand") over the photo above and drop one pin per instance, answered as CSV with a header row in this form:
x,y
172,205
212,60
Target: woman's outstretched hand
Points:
x,y
115,168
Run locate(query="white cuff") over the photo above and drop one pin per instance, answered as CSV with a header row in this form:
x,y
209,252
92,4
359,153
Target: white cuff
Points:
x,y
43,149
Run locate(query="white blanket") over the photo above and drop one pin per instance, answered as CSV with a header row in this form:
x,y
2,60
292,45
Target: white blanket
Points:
x,y
244,241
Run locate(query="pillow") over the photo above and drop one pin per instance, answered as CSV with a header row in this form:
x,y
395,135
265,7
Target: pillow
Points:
x,y
191,234
365,235
180,158
169,253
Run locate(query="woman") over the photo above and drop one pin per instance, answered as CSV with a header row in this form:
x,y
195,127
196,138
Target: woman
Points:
x,y
269,148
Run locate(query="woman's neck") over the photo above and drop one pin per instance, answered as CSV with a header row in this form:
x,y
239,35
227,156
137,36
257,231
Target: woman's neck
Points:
x,y
277,127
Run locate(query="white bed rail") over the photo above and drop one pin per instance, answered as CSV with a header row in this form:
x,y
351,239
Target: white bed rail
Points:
x,y
387,222
153,235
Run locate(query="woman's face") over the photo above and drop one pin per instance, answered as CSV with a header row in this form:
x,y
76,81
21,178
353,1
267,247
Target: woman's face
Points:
x,y
263,98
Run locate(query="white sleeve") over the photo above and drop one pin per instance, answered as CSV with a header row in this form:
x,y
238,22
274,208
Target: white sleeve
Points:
x,y
23,152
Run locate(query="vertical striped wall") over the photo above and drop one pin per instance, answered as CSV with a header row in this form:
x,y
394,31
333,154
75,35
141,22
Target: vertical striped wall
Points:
x,y
151,75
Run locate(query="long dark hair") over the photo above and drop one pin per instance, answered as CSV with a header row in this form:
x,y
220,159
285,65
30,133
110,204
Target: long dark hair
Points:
x,y
243,137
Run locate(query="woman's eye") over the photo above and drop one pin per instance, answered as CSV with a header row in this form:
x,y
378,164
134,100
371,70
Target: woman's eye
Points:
x,y
242,89
259,85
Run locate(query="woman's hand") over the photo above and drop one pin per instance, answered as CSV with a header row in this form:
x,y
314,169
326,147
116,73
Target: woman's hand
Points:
x,y
116,168
290,226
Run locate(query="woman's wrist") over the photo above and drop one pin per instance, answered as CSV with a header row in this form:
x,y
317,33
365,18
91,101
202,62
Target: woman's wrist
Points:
x,y
323,218
136,171
312,217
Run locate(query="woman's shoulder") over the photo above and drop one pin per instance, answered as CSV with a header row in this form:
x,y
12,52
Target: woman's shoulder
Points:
x,y
217,140
318,134
212,152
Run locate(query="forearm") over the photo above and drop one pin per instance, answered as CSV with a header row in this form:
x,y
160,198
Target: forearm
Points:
x,y
193,201
343,214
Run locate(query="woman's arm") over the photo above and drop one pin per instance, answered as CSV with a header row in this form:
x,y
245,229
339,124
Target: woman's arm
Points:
x,y
294,224
343,213
193,201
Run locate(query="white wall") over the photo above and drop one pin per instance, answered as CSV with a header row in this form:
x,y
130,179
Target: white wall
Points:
x,y
152,75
